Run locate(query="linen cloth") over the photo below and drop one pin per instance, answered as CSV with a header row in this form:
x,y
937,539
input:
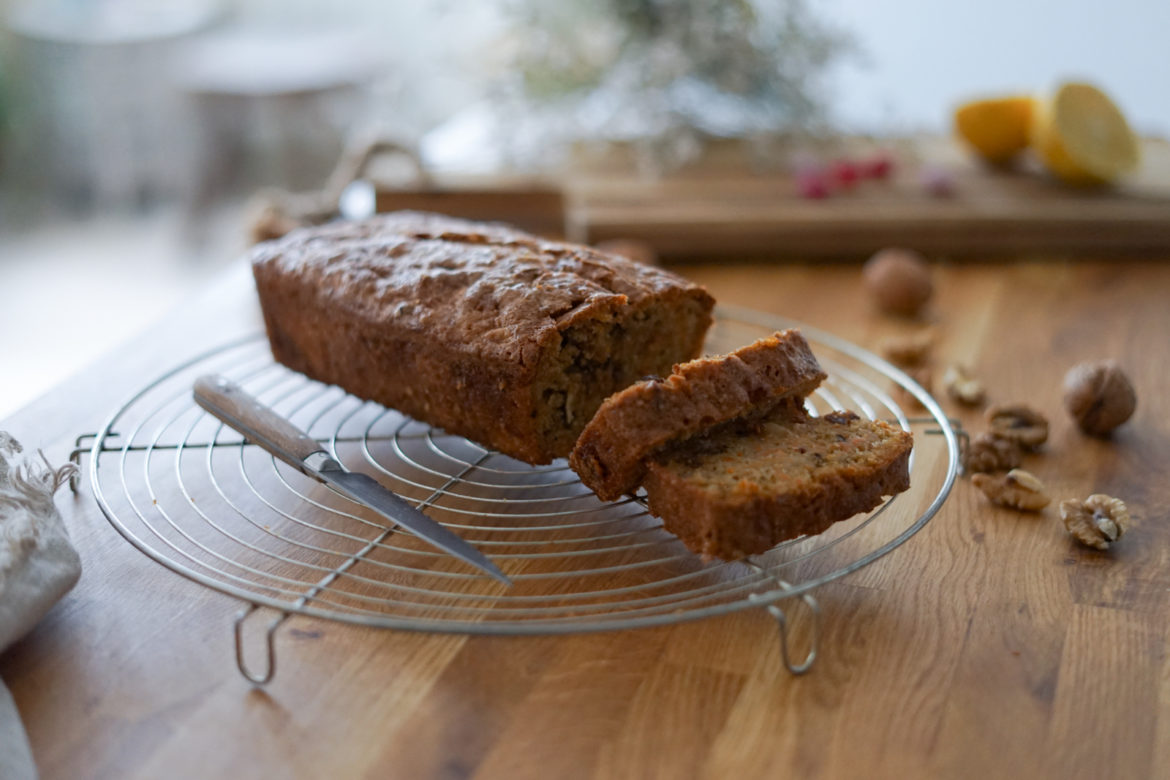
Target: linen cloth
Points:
x,y
38,565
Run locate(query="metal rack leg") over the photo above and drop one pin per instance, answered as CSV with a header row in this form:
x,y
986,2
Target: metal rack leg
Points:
x,y
270,640
79,449
814,610
782,622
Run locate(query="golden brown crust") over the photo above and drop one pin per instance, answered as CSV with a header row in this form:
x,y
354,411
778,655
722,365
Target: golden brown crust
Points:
x,y
612,452
452,322
738,516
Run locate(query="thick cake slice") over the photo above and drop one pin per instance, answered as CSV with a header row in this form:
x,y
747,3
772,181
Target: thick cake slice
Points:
x,y
612,453
741,488
493,334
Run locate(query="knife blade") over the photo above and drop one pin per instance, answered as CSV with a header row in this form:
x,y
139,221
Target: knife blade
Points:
x,y
230,403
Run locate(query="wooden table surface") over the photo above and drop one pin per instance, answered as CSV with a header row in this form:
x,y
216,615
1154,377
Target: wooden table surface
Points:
x,y
994,646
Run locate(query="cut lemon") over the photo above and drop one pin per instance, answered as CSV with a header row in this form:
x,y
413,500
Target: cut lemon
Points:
x,y
997,129
1082,137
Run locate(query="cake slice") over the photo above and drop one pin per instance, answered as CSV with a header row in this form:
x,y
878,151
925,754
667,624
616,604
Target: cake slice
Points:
x,y
612,452
744,487
729,457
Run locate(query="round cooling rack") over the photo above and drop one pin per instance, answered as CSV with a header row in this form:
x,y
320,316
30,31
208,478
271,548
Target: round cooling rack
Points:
x,y
194,496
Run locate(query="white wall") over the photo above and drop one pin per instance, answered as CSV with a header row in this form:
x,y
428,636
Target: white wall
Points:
x,y
925,55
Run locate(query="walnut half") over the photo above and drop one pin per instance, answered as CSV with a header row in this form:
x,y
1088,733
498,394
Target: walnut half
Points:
x,y
1019,423
911,350
1017,489
963,387
1098,521
987,453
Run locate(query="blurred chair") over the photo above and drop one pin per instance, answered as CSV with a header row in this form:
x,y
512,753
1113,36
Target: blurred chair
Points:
x,y
269,107
96,124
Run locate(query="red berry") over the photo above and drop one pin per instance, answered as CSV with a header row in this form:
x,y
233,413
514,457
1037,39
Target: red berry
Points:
x,y
812,184
877,167
845,173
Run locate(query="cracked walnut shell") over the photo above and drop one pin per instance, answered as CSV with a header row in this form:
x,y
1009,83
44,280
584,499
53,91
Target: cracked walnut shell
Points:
x,y
987,453
1098,521
1019,423
963,387
1017,489
911,350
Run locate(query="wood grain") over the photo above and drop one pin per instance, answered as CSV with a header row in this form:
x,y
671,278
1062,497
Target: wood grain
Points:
x,y
990,645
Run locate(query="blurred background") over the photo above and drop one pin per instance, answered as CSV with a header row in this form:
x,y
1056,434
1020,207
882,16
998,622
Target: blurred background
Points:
x,y
144,144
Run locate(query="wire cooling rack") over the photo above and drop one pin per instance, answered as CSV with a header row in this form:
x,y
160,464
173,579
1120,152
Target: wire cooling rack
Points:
x,y
194,496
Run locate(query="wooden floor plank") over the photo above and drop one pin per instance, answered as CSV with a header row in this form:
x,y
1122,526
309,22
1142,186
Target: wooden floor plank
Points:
x,y
1105,718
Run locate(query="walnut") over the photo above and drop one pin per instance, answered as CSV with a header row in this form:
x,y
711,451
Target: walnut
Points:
x,y
963,387
912,350
1021,424
1098,521
1017,489
987,453
1098,396
899,280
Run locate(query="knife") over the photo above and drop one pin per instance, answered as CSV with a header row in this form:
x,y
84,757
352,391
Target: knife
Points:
x,y
233,405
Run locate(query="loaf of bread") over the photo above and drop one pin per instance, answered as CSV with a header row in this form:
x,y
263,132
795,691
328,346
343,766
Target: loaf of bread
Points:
x,y
482,330
728,456
612,453
743,488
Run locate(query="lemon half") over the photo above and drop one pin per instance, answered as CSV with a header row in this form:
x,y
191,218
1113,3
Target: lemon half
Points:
x,y
1082,137
998,129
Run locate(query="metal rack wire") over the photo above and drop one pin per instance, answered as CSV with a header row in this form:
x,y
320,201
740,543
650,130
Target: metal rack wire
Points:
x,y
195,497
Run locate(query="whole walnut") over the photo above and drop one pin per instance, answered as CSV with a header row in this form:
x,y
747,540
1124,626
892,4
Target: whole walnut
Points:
x,y
899,280
1099,396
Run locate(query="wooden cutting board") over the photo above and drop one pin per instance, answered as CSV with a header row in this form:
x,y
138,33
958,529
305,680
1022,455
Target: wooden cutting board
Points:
x,y
724,209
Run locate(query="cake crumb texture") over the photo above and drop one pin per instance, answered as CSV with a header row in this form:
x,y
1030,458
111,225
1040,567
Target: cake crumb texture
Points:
x,y
742,488
612,452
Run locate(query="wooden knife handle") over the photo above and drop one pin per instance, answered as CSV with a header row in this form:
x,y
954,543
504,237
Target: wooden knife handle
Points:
x,y
230,403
